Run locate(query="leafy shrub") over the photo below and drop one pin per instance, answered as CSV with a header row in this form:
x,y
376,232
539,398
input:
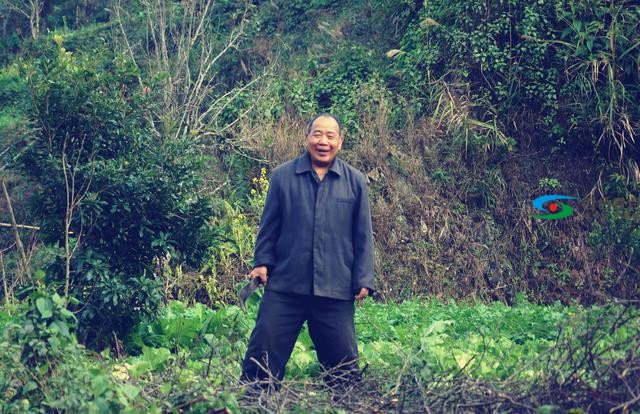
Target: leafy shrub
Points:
x,y
9,45
290,15
133,191
42,367
13,91
343,85
13,96
45,328
564,71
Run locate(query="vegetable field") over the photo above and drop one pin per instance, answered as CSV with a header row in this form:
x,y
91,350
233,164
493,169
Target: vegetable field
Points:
x,y
188,359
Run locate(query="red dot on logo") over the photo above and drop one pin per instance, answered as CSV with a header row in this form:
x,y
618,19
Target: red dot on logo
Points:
x,y
553,207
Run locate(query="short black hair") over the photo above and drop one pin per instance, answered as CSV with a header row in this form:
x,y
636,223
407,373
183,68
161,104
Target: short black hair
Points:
x,y
328,115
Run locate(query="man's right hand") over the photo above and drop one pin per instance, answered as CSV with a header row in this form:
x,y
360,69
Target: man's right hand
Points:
x,y
261,272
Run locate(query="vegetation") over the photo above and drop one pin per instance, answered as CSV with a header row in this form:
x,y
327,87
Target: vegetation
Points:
x,y
136,140
189,358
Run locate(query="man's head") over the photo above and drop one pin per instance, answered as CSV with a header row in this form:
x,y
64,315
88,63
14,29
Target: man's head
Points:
x,y
324,139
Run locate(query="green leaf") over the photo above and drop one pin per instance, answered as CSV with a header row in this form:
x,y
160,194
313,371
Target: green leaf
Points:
x,y
29,386
155,357
461,357
166,387
45,307
67,313
100,405
437,327
99,385
130,391
42,369
61,328
139,366
57,299
40,275
577,25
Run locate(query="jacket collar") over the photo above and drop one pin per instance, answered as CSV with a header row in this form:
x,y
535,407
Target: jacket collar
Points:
x,y
303,164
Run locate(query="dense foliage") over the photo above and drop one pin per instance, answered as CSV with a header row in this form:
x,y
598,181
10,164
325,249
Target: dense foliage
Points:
x,y
562,72
124,194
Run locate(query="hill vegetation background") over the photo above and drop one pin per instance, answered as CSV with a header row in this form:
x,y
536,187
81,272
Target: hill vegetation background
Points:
x,y
136,140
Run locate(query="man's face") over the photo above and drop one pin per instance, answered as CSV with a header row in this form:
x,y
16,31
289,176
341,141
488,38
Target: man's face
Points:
x,y
324,141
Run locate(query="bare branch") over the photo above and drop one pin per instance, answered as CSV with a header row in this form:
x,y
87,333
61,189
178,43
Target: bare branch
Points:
x,y
74,197
175,32
14,225
31,9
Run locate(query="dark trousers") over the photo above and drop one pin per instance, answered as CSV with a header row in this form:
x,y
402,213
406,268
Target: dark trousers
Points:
x,y
280,319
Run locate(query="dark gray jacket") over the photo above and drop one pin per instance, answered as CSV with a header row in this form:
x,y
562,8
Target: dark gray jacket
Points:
x,y
315,236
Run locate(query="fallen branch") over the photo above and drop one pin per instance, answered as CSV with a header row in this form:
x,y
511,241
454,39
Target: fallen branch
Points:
x,y
20,226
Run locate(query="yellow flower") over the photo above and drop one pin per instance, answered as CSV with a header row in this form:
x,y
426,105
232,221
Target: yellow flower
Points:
x,y
121,372
58,39
430,22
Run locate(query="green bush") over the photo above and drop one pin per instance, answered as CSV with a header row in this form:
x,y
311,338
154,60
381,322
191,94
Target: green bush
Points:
x,y
231,242
564,71
44,369
36,345
13,91
45,328
290,15
135,190
13,97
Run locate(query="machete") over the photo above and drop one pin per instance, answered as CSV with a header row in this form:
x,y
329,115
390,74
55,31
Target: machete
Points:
x,y
247,290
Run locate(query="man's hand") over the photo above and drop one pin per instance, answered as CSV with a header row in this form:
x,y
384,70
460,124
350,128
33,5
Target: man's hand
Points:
x,y
261,272
364,292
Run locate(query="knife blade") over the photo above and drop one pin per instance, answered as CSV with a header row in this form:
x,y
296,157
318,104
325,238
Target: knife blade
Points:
x,y
247,290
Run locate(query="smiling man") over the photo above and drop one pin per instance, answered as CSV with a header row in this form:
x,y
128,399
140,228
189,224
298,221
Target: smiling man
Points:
x,y
314,254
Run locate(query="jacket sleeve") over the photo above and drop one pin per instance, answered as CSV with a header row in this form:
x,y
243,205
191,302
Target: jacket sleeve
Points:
x,y
362,273
270,224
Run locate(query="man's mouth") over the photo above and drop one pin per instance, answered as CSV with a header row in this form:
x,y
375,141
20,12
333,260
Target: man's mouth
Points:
x,y
322,152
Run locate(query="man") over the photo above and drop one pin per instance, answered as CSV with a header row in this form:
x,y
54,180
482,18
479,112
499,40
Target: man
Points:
x,y
314,254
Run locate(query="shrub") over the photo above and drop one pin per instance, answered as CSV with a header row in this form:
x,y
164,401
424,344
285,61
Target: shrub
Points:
x,y
44,369
125,192
562,71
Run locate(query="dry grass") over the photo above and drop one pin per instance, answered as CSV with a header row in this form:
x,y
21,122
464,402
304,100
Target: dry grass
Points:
x,y
450,214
